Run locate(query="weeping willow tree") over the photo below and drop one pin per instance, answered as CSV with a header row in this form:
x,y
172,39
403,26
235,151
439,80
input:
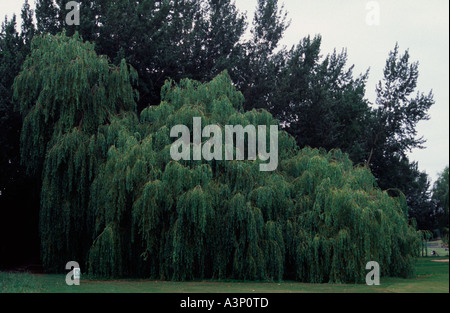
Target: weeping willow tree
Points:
x,y
114,200
66,93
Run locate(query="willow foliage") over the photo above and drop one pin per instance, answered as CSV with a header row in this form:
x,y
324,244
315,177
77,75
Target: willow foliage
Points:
x,y
113,197
66,93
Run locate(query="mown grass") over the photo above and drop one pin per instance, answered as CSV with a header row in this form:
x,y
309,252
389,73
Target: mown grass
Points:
x,y
21,283
431,277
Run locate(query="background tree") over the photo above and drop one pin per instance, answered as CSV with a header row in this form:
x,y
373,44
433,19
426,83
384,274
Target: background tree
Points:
x,y
11,56
392,133
440,196
47,16
18,214
318,101
261,66
180,39
416,186
28,28
397,115
168,39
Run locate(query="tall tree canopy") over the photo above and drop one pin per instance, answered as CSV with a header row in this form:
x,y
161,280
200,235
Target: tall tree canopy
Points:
x,y
113,199
397,113
318,100
391,133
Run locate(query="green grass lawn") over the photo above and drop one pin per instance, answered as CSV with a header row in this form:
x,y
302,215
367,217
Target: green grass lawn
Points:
x,y
431,277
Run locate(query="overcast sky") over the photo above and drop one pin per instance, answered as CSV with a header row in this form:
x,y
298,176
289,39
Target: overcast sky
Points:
x,y
418,25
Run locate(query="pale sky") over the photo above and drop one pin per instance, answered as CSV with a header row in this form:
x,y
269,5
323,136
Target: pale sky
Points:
x,y
418,25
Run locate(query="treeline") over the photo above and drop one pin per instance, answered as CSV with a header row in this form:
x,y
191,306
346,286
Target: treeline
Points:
x,y
317,100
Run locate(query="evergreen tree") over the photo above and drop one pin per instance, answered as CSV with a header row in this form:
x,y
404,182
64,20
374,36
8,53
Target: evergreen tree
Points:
x,y
416,187
319,102
221,23
171,39
19,237
177,39
28,28
395,119
261,66
391,134
47,16
269,25
10,54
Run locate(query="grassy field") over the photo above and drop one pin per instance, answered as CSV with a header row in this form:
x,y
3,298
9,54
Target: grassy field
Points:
x,y
432,277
